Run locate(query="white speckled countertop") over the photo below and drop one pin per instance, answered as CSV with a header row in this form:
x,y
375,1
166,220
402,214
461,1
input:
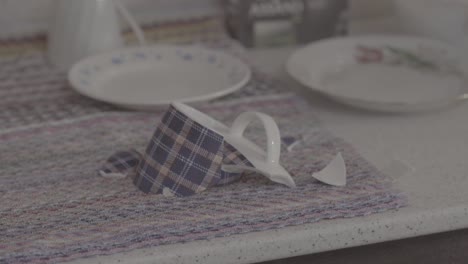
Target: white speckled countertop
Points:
x,y
434,147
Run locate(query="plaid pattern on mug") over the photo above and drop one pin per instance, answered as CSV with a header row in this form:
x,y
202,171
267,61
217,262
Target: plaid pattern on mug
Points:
x,y
183,156
231,156
121,163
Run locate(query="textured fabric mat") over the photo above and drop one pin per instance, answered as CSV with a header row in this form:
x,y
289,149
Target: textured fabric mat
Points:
x,y
55,207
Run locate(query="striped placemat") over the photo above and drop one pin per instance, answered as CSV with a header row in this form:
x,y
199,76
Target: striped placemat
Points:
x,y
54,207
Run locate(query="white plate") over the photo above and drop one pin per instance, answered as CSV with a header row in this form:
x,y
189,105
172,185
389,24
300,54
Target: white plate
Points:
x,y
145,77
385,73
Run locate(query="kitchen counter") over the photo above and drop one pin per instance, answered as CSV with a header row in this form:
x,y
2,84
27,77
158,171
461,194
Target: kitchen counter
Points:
x,y
424,153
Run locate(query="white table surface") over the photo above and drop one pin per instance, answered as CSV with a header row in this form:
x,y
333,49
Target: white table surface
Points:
x,y
433,147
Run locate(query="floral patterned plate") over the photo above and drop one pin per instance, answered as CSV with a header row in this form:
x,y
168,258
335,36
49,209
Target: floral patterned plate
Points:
x,y
145,77
385,73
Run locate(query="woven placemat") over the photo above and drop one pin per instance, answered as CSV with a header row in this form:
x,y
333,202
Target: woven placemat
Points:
x,y
55,207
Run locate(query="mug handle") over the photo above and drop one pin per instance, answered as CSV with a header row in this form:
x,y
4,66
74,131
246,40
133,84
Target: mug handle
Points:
x,y
131,21
271,128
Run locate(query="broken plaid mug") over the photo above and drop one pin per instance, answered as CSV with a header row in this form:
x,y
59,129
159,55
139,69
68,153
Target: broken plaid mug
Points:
x,y
190,152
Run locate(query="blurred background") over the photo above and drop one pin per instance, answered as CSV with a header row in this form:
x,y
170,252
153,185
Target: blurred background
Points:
x,y
255,23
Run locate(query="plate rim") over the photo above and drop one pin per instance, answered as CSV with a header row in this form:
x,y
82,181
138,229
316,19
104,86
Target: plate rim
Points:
x,y
75,84
358,102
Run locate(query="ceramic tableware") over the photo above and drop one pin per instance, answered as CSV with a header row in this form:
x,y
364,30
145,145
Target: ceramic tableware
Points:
x,y
384,73
189,149
145,77
264,163
86,27
190,152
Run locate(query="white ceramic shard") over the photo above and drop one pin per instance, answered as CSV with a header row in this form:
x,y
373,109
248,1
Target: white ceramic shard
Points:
x,y
334,173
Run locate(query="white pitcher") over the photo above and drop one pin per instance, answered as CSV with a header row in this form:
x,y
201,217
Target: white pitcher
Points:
x,y
85,27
